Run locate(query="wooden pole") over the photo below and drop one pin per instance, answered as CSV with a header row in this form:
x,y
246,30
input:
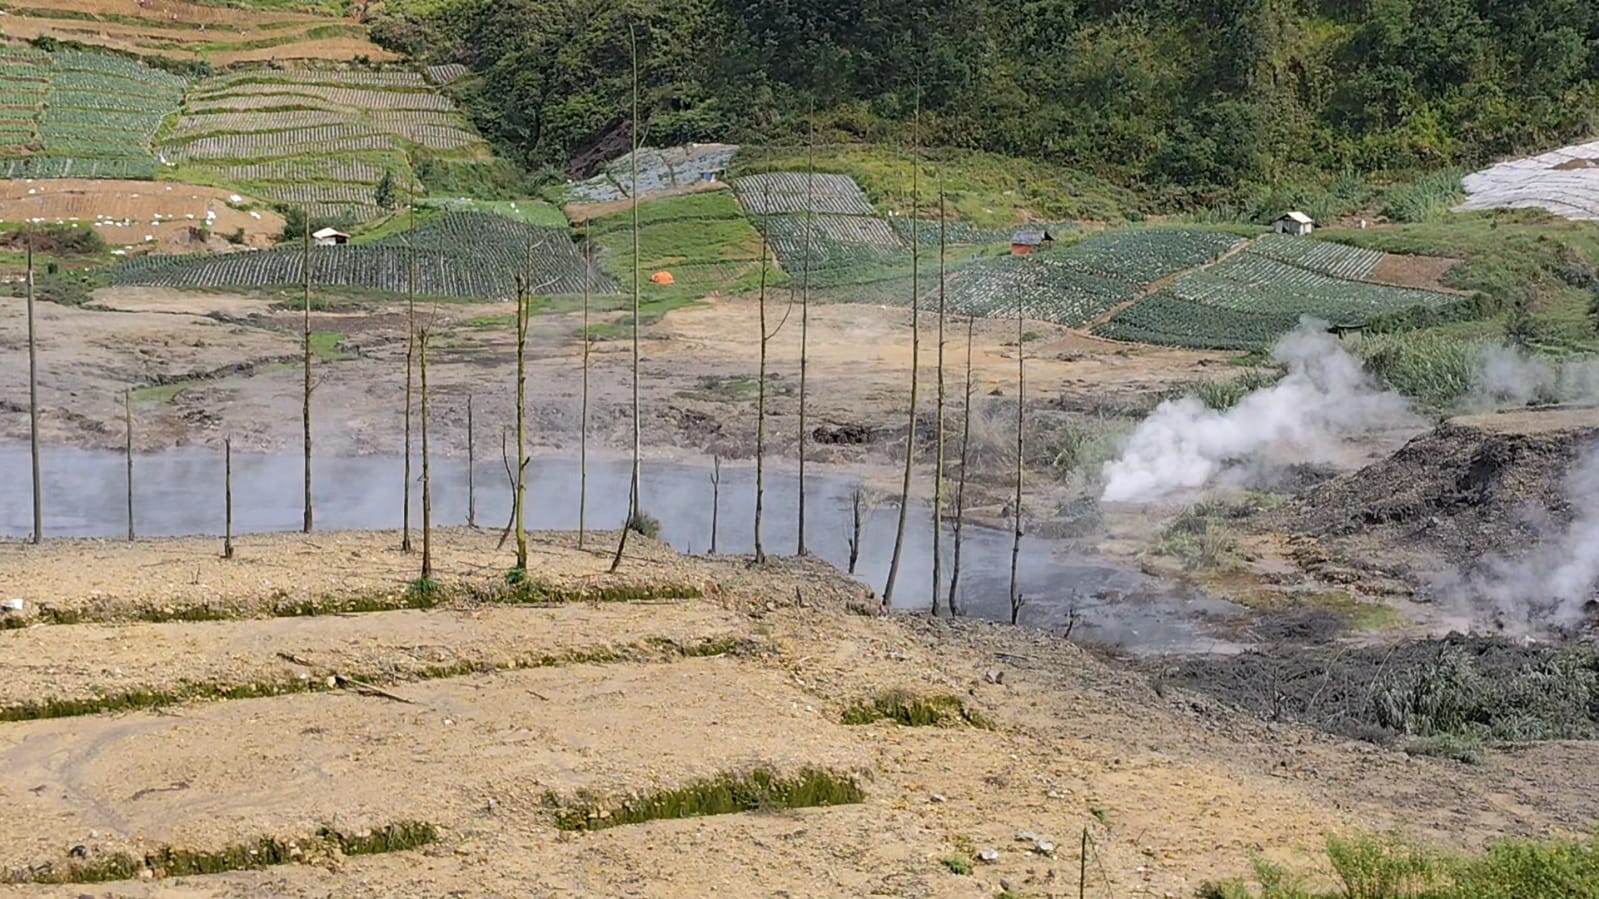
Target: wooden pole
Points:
x,y
410,350
716,498
471,467
916,348
519,501
127,416
33,406
227,496
583,414
306,411
1021,407
805,316
427,483
938,463
633,501
760,401
960,489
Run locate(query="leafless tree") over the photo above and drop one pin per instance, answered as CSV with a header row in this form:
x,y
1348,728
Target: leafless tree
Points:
x,y
938,464
410,352
583,415
960,489
1016,600
805,316
306,346
33,406
427,482
127,415
916,348
471,467
760,402
633,499
227,497
519,500
857,522
716,498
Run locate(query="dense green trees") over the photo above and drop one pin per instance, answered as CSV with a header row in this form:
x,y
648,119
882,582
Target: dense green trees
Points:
x,y
1186,99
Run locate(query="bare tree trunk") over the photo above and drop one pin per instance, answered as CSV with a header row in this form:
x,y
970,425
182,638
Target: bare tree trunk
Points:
x,y
916,348
716,498
306,411
1016,600
938,464
127,415
760,404
518,512
471,467
960,490
633,501
227,497
855,530
33,407
410,351
583,415
510,484
805,317
427,483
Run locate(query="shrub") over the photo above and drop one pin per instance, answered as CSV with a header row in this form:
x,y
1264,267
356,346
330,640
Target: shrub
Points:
x,y
644,523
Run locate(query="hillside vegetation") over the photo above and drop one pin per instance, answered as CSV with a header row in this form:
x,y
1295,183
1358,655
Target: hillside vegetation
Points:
x,y
1192,102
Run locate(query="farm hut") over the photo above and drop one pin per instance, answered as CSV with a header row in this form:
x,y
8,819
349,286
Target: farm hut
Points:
x,y
1026,241
329,237
1294,224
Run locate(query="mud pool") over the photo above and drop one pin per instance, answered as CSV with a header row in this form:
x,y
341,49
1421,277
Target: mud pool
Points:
x,y
179,492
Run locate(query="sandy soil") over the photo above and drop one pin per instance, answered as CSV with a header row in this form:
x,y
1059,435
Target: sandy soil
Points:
x,y
1172,788
125,213
1423,272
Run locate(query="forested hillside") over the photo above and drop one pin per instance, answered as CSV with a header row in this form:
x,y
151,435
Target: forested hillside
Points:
x,y
1187,100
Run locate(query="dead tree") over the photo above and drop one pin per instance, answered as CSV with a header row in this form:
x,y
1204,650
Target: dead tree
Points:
x,y
857,519
127,415
227,497
760,402
410,352
1016,600
33,406
471,467
427,483
960,489
306,347
633,500
583,414
519,500
805,317
716,498
916,348
938,463
510,485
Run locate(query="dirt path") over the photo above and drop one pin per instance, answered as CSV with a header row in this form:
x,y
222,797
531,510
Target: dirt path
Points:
x,y
1173,788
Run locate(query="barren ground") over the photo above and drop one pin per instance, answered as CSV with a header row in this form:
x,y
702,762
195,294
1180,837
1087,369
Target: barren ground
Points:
x,y
1172,788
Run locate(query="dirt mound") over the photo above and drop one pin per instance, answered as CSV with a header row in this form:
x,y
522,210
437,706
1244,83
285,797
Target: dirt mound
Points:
x,y
1454,494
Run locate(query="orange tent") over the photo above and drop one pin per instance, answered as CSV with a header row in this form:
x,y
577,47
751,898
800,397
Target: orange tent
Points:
x,y
662,278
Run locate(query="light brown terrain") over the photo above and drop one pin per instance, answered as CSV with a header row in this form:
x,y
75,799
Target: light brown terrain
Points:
x,y
126,213
1171,788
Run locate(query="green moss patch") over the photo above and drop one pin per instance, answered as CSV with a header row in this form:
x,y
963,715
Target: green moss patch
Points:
x,y
173,861
724,794
910,710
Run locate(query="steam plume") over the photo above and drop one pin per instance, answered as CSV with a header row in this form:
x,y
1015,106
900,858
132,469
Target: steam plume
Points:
x,y
1307,417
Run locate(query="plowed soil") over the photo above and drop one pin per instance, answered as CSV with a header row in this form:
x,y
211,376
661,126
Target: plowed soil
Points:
x,y
1172,787
125,213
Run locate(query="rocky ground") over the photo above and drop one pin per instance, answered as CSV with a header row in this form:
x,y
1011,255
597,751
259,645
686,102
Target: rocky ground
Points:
x,y
488,720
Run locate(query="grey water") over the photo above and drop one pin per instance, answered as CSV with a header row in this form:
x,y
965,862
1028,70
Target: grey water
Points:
x,y
178,492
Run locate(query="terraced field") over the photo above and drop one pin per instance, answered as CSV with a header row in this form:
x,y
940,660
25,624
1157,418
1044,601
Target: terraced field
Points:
x,y
321,139
190,30
85,115
671,169
467,255
1334,259
848,244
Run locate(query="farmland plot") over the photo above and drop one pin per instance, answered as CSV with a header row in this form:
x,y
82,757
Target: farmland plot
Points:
x,y
1147,255
956,234
1334,259
782,193
844,249
659,170
1256,284
1167,320
703,239
1564,181
132,215
457,255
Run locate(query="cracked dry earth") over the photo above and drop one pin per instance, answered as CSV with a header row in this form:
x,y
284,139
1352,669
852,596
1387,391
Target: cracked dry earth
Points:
x,y
544,704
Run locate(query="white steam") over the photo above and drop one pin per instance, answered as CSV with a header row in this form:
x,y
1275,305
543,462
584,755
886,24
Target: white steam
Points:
x,y
1553,581
1508,376
1306,417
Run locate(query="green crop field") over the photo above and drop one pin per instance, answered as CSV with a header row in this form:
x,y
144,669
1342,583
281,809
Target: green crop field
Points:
x,y
319,139
1142,256
704,240
1256,284
1167,320
78,114
465,255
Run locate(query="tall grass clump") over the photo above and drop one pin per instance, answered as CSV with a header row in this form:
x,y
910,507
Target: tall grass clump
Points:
x,y
1427,198
1432,369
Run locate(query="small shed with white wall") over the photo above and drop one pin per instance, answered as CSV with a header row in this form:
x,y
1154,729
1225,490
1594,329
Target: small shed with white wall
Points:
x,y
1294,224
329,237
